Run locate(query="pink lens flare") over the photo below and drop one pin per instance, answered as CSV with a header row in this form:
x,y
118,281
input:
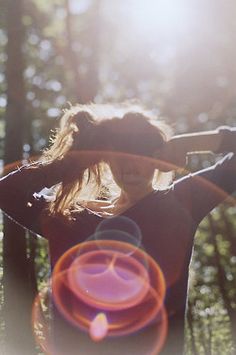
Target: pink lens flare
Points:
x,y
109,276
71,340
122,228
108,280
99,327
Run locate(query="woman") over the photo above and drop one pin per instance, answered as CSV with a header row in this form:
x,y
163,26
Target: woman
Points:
x,y
135,150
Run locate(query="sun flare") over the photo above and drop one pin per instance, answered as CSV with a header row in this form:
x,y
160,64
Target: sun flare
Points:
x,y
165,17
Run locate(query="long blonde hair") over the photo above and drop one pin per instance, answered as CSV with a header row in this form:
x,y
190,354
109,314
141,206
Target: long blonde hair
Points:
x,y
87,128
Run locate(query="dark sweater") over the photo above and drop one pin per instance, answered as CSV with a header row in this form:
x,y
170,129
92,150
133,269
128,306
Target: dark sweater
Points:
x,y
168,220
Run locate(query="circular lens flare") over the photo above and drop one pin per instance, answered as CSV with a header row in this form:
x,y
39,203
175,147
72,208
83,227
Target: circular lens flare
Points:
x,y
55,336
116,235
108,280
120,224
108,276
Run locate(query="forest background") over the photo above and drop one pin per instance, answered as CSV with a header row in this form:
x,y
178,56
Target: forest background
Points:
x,y
176,57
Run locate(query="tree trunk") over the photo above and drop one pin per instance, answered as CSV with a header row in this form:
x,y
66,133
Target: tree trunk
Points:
x,y
190,321
85,86
17,301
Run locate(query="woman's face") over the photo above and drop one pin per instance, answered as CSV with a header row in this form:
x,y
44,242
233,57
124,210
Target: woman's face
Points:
x,y
132,173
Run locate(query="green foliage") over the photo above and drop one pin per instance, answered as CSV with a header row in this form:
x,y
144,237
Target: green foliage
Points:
x,y
42,264
212,286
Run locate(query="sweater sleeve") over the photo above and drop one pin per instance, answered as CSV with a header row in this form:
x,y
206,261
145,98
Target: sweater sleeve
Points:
x,y
18,194
205,189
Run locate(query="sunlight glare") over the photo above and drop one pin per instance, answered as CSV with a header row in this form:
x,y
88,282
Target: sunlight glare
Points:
x,y
99,327
160,16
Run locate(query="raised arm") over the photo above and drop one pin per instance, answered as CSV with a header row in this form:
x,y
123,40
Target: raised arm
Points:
x,y
17,190
203,190
221,140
